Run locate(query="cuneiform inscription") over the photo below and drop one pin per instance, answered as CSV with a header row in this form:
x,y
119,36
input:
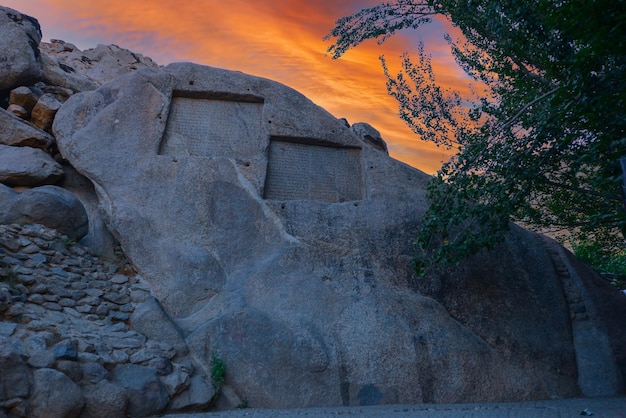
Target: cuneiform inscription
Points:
x,y
212,128
313,172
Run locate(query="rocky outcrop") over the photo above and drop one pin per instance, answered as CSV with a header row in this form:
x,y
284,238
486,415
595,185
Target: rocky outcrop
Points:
x,y
20,60
261,223
36,79
269,237
67,341
67,66
369,135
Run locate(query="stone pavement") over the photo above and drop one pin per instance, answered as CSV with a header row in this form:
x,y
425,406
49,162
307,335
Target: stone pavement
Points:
x,y
596,407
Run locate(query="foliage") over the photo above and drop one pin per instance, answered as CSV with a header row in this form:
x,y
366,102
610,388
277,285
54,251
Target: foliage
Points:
x,y
541,145
68,242
609,262
218,371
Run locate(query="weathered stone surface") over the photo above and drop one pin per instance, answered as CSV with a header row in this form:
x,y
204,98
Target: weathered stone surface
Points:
x,y
51,206
599,337
94,372
20,61
65,350
105,400
7,195
54,395
47,332
26,166
14,131
67,66
24,97
198,395
43,113
150,320
146,394
41,359
18,111
176,381
71,369
15,379
274,238
98,239
369,135
260,231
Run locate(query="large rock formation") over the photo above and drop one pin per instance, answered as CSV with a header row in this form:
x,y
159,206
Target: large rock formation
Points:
x,y
279,240
270,237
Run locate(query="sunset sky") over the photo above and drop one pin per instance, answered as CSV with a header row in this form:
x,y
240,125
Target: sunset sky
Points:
x,y
277,39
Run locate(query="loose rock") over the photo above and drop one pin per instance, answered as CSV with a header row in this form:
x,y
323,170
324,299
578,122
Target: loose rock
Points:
x,y
51,206
14,131
26,166
54,395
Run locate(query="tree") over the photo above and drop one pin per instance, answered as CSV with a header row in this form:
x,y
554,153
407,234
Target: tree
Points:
x,y
542,145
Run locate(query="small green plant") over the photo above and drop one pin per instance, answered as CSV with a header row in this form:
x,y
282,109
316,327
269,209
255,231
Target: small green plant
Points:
x,y
218,371
68,242
243,404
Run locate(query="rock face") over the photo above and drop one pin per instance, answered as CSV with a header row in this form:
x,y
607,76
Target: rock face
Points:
x,y
67,348
276,238
270,237
20,61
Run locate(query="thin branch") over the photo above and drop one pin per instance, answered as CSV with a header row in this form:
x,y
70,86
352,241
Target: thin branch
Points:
x,y
578,189
513,118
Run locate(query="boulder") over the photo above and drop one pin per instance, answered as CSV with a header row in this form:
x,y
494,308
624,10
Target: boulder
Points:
x,y
94,372
43,113
15,131
65,350
369,135
54,395
15,379
146,394
70,368
20,61
151,321
67,66
26,166
105,400
198,395
176,381
276,240
7,195
51,206
24,97
18,111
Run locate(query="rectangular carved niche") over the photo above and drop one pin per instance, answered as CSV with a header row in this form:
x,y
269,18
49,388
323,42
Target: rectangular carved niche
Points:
x,y
309,171
210,126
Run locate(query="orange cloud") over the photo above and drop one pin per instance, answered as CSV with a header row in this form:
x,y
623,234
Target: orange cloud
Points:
x,y
280,40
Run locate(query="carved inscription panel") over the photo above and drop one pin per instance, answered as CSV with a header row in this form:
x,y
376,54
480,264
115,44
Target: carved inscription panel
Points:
x,y
212,128
312,172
